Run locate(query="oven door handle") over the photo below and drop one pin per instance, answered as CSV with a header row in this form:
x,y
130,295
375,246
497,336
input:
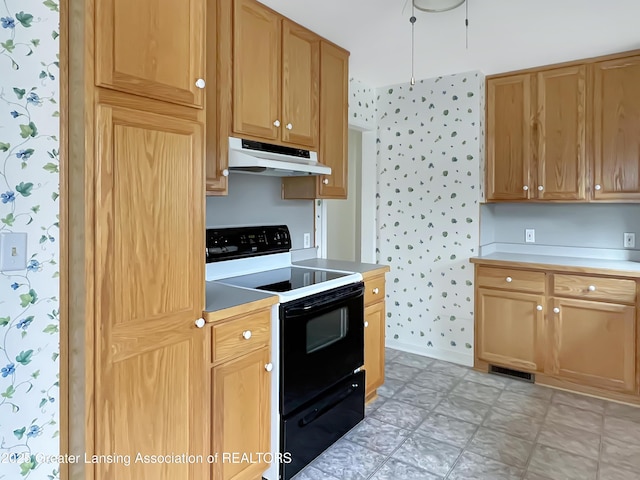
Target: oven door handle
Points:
x,y
297,311
328,405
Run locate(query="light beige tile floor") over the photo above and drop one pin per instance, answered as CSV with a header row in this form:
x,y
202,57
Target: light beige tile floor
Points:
x,y
434,420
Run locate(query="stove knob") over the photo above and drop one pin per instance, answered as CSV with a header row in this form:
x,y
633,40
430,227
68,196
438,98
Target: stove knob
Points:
x,y
268,367
246,334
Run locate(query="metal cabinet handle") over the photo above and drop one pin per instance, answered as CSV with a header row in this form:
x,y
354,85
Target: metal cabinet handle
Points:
x,y
200,322
268,367
509,279
276,123
366,324
246,334
525,188
200,83
325,181
592,288
539,308
376,291
556,310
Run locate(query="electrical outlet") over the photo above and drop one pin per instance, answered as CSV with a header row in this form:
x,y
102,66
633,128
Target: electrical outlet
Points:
x,y
307,240
629,240
530,235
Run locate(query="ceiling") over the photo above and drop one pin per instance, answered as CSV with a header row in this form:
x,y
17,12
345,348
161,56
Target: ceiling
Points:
x,y
503,34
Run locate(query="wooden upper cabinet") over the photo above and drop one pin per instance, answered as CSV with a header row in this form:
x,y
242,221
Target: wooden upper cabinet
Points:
x,y
300,84
561,134
151,48
509,137
334,122
616,129
151,363
256,70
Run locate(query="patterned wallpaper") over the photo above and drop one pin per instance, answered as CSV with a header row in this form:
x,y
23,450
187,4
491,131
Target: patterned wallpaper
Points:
x,y
429,144
362,105
29,323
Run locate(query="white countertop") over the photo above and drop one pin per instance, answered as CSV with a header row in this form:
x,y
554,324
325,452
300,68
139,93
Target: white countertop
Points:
x,y
562,261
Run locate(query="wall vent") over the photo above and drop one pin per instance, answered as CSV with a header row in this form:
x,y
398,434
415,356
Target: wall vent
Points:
x,y
507,372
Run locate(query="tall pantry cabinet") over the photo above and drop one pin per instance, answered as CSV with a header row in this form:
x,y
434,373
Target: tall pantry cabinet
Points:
x,y
137,141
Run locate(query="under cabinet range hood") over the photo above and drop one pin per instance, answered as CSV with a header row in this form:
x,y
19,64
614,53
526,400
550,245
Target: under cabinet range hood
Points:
x,y
248,156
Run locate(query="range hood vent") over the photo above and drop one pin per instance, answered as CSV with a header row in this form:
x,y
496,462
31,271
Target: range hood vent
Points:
x,y
258,158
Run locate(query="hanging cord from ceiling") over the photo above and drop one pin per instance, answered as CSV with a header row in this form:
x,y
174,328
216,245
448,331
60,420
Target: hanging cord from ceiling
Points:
x,y
450,5
413,41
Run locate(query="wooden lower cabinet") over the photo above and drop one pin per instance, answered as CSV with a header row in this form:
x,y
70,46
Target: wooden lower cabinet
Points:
x,y
241,415
594,343
510,329
374,326
374,331
578,331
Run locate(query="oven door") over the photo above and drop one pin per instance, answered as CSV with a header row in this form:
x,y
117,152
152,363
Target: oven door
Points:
x,y
322,342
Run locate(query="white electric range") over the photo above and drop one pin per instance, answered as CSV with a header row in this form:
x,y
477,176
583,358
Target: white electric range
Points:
x,y
317,344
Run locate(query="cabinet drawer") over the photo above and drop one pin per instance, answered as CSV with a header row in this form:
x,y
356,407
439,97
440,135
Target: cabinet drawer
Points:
x,y
510,279
374,290
595,288
229,337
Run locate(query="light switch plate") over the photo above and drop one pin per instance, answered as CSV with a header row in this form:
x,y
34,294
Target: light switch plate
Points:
x,y
307,240
13,251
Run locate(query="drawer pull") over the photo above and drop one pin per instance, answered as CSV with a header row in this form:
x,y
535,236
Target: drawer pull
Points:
x,y
525,188
597,187
366,324
225,172
289,126
276,123
268,367
200,83
246,334
509,279
539,308
592,288
376,291
200,322
540,188
325,181
556,310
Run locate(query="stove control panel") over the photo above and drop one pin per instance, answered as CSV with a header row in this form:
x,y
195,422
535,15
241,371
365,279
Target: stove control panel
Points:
x,y
240,242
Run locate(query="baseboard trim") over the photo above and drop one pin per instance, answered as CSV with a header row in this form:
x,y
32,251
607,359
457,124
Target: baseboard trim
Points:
x,y
465,359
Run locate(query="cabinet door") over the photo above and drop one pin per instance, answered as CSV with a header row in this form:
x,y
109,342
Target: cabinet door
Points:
x,y
616,128
594,343
151,368
374,346
561,134
256,70
241,414
151,48
510,329
334,93
300,89
509,137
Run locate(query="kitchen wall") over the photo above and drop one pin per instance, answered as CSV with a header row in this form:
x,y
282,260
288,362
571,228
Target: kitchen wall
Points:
x,y
429,143
256,200
575,226
29,202
362,105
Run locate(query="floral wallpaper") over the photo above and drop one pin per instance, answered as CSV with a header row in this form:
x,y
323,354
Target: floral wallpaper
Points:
x,y
362,105
29,189
429,144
